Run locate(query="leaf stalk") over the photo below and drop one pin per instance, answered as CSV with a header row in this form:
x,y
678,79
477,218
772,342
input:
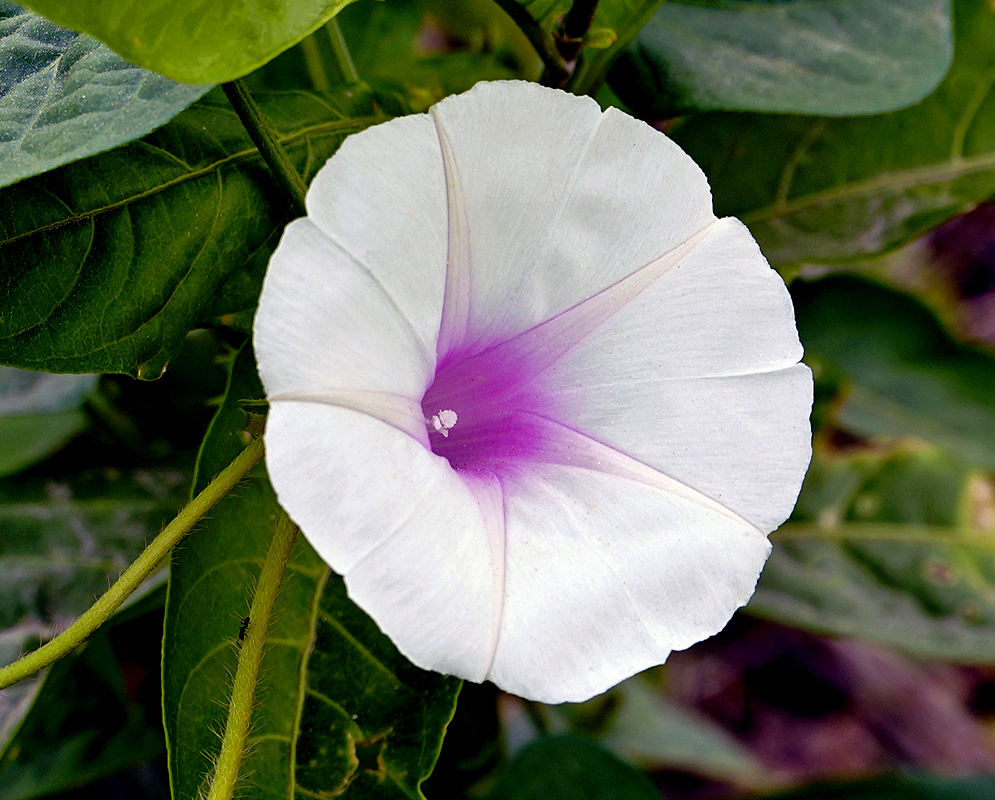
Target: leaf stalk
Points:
x,y
133,576
556,71
256,626
343,58
265,139
576,23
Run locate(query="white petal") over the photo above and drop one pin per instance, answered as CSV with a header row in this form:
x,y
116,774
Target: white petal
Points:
x,y
324,322
382,198
561,200
414,543
721,310
696,377
744,441
607,575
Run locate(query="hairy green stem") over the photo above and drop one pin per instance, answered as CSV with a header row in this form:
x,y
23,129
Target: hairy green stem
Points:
x,y
243,693
264,137
347,68
555,69
132,577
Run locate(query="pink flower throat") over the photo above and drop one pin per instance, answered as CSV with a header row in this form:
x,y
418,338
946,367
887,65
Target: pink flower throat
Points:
x,y
486,412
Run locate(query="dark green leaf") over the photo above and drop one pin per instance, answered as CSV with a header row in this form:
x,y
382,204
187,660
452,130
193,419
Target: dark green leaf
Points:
x,y
804,56
339,710
64,96
205,42
105,264
639,724
97,712
567,767
905,376
895,547
825,190
38,414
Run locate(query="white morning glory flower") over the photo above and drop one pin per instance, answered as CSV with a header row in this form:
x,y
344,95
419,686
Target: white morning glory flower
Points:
x,y
527,394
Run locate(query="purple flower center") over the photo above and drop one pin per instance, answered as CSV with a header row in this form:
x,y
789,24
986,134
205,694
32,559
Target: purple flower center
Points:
x,y
486,412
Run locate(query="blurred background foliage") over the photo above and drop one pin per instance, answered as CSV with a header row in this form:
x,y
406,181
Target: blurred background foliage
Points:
x,y
857,140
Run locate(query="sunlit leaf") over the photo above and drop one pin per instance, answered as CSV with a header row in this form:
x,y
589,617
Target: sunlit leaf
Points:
x,y
204,41
105,264
339,711
828,190
811,57
64,96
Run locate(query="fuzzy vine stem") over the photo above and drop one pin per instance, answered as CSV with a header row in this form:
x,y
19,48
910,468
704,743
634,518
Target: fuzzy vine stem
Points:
x,y
265,139
243,693
133,576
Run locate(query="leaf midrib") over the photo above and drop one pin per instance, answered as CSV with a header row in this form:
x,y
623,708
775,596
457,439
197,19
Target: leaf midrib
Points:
x,y
352,125
883,182
906,533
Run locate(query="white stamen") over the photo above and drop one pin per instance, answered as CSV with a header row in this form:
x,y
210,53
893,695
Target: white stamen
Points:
x,y
444,421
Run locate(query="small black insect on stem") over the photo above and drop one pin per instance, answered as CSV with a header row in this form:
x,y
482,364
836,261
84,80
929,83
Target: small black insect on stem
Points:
x,y
243,629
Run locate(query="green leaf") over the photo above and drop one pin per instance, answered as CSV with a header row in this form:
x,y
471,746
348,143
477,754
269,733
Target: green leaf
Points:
x,y
567,767
39,413
91,717
895,547
803,56
105,264
63,540
640,725
829,190
903,374
899,787
203,42
339,710
385,40
64,96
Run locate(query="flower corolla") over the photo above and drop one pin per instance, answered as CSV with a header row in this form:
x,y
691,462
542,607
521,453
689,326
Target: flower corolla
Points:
x,y
528,395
